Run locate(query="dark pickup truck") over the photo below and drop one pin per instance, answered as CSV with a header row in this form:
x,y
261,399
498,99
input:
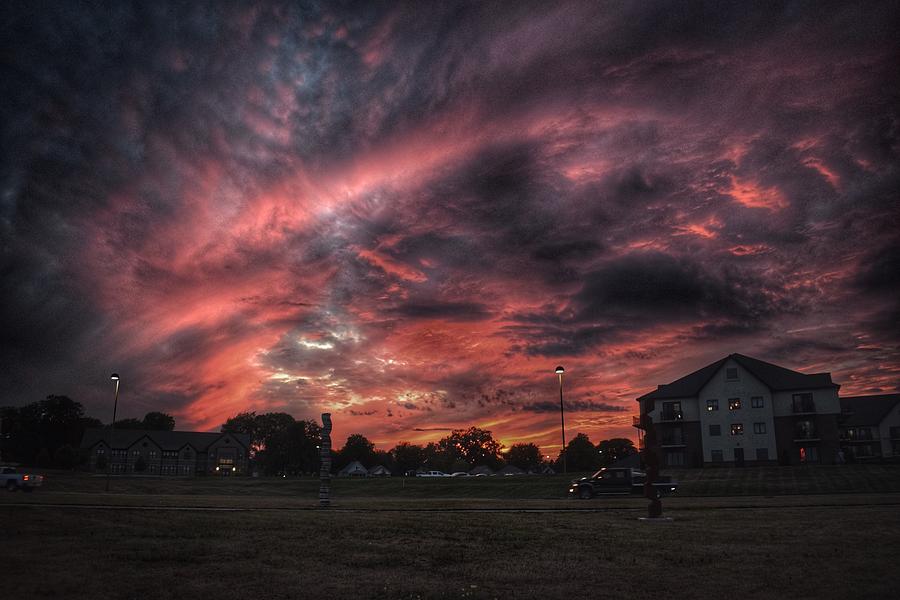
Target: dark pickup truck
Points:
x,y
619,482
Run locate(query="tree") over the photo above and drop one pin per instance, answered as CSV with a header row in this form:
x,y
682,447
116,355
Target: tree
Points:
x,y
475,446
130,424
615,449
158,421
581,455
357,447
65,457
407,457
48,424
525,456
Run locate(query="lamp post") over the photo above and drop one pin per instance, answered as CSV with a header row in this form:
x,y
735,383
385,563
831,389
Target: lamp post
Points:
x,y
562,417
112,428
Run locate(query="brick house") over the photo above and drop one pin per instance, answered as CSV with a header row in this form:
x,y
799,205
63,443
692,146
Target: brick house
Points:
x,y
183,453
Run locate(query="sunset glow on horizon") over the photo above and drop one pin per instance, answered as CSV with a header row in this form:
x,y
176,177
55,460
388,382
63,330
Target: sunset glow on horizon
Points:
x,y
408,215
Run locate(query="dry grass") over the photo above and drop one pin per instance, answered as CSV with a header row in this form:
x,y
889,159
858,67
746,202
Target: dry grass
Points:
x,y
823,552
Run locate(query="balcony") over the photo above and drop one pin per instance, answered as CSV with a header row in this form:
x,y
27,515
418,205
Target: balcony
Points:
x,y
671,415
636,422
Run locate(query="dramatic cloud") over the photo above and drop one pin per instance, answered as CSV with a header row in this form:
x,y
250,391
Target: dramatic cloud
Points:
x,y
409,214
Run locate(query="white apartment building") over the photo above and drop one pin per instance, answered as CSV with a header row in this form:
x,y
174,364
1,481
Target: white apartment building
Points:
x,y
741,410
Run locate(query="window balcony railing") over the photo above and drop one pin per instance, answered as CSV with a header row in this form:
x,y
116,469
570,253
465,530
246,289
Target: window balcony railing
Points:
x,y
672,415
636,422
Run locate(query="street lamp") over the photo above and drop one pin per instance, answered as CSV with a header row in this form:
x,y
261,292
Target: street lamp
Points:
x,y
112,428
562,417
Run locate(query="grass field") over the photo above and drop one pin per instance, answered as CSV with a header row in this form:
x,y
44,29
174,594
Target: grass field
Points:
x,y
801,536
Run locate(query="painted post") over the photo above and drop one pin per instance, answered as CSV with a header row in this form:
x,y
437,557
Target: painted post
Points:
x,y
325,456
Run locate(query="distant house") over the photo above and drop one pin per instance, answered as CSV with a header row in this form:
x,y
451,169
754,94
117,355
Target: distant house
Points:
x,y
481,470
870,427
510,470
354,469
379,471
547,470
166,452
741,410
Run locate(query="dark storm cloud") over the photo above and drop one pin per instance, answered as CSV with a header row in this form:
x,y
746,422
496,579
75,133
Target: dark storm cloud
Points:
x,y
574,406
270,204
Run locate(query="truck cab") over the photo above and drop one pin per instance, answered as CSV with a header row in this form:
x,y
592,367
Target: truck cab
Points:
x,y
619,482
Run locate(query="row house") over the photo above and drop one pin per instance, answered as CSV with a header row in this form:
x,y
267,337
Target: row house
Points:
x,y
741,410
184,453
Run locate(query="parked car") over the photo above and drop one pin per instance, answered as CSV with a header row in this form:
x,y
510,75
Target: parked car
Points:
x,y
432,474
619,481
12,480
459,474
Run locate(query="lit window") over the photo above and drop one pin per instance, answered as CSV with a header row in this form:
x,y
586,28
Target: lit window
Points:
x,y
737,429
712,405
759,428
756,402
734,404
715,430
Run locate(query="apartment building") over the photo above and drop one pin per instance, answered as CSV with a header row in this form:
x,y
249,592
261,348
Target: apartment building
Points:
x,y
870,427
184,453
740,410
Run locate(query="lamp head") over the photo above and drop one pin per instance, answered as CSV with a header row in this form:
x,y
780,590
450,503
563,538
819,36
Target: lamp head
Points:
x,y
114,376
560,370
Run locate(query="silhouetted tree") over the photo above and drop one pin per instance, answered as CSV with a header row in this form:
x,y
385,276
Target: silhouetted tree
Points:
x,y
581,455
65,457
612,450
357,447
130,424
475,446
525,456
407,457
158,421
48,424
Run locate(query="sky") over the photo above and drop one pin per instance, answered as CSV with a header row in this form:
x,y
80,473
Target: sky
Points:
x,y
408,214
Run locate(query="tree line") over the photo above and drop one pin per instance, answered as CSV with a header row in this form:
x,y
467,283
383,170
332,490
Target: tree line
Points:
x,y
282,445
48,434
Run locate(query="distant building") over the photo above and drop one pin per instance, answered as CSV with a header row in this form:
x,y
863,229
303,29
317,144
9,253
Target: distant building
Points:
x,y
741,410
870,427
379,471
182,453
354,469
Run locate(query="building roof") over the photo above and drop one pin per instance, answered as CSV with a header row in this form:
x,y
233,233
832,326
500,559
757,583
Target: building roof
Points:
x,y
775,377
354,467
867,410
166,440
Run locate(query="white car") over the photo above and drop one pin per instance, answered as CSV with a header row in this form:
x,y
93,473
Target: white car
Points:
x,y
12,480
432,474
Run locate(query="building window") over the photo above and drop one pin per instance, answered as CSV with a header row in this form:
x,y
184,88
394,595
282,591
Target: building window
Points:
x,y
716,456
762,454
712,405
153,454
675,459
803,403
715,430
756,402
671,411
100,451
135,452
895,433
731,373
737,429
734,404
759,428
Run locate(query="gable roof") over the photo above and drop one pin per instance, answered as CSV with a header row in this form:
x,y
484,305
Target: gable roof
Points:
x,y
867,410
166,440
775,377
354,467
